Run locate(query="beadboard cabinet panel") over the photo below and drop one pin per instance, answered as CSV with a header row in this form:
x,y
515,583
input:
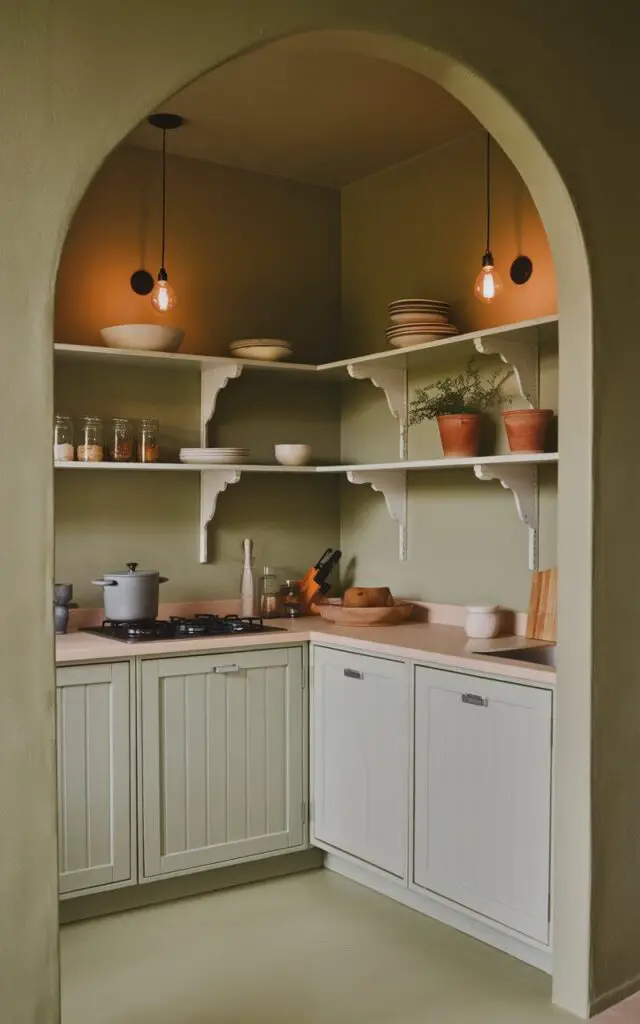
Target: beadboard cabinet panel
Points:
x,y
222,758
94,775
483,796
360,756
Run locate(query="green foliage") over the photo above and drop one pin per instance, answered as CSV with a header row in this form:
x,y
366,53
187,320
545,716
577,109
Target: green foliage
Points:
x,y
466,393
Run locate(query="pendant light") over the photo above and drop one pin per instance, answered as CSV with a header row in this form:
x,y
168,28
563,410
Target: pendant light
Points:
x,y
488,284
163,297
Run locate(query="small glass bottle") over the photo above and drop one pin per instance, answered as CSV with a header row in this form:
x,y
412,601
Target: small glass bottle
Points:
x,y
120,443
269,594
148,450
290,599
63,450
91,447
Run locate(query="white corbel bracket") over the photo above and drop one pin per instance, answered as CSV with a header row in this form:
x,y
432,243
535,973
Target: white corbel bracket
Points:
x,y
522,481
393,381
212,483
393,487
212,382
521,353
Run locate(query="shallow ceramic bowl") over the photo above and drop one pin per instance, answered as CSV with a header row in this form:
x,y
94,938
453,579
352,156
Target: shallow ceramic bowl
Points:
x,y
391,615
269,350
143,337
292,454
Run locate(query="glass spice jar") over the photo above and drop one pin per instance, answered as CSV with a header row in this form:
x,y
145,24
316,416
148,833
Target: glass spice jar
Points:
x,y
148,450
91,447
120,443
63,449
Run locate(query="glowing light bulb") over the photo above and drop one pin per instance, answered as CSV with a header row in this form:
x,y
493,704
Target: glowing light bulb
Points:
x,y
163,297
488,283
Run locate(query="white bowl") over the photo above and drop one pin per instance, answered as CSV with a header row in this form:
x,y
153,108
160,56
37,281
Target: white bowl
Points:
x,y
292,454
144,337
418,317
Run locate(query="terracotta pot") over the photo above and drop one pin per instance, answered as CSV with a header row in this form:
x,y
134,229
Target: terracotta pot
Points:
x,y
460,434
527,429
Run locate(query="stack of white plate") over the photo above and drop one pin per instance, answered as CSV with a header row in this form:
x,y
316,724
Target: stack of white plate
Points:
x,y
267,349
214,456
417,320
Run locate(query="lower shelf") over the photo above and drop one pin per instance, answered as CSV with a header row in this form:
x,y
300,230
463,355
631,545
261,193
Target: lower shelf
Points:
x,y
516,473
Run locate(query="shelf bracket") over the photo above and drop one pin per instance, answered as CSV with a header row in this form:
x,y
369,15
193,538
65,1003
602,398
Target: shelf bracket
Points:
x,y
522,481
393,381
393,487
212,382
520,352
212,484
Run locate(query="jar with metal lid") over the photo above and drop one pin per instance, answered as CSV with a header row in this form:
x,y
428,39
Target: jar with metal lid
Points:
x,y
120,442
269,594
148,449
91,446
63,449
290,599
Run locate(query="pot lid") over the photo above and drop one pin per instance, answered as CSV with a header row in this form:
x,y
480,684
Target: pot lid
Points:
x,y
131,571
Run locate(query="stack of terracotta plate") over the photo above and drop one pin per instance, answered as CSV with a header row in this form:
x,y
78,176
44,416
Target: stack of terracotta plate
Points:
x,y
418,320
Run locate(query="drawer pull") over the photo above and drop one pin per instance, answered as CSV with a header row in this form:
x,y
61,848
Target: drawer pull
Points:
x,y
222,669
475,699
351,673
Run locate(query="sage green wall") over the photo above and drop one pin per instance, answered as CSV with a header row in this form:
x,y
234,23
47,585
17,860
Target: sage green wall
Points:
x,y
249,255
104,520
76,78
418,229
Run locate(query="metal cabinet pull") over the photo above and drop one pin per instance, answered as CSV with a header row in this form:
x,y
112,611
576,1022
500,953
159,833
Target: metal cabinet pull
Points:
x,y
351,673
475,699
226,668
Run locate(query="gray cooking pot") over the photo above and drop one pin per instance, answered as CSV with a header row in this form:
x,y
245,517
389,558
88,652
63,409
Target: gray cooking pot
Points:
x,y
131,595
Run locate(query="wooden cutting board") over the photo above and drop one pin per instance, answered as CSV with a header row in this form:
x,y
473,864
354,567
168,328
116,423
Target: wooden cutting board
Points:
x,y
541,621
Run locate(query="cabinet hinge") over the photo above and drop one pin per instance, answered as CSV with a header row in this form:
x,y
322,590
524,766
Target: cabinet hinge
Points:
x,y
304,812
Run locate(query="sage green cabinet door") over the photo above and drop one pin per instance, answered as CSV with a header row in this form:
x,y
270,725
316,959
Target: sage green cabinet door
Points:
x,y
360,740
483,796
94,776
222,758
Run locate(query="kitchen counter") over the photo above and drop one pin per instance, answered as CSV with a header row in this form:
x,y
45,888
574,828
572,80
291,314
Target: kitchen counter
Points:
x,y
428,643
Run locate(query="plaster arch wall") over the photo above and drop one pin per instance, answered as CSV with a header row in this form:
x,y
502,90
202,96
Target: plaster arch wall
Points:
x,y
76,112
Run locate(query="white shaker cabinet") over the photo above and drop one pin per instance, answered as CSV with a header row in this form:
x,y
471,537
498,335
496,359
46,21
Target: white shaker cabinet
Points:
x,y
360,729
483,796
222,758
94,776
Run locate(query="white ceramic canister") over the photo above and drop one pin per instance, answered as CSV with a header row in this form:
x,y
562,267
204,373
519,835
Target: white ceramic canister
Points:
x,y
482,621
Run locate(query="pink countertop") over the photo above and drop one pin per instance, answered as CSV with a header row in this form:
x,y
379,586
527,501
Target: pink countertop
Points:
x,y
429,643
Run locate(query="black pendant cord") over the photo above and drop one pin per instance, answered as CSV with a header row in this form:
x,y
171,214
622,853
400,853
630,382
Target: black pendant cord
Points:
x,y
488,185
164,193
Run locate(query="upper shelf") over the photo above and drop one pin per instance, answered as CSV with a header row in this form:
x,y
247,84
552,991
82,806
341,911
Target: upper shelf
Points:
x,y
412,354
489,339
169,360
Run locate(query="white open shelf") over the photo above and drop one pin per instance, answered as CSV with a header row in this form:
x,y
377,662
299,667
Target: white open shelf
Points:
x,y
516,344
517,473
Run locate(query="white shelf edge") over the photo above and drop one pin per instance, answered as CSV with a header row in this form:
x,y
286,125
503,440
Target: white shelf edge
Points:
x,y
319,371
426,346
373,467
172,359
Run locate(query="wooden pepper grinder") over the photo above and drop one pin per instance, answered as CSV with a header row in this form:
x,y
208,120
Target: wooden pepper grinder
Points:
x,y
247,585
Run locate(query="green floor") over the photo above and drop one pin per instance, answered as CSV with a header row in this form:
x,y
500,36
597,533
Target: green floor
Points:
x,y
308,948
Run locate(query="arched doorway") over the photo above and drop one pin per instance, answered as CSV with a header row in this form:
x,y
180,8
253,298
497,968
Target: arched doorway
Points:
x,y
574,297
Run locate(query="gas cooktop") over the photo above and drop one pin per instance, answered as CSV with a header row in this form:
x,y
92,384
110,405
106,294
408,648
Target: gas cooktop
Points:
x,y
142,631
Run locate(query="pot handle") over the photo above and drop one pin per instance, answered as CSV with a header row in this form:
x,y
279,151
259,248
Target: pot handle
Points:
x,y
104,583
163,579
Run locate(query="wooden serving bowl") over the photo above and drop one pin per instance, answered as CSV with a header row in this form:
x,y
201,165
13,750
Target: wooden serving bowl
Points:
x,y
389,615
367,597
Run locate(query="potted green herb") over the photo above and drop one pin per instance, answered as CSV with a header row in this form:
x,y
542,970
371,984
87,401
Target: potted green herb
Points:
x,y
457,403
